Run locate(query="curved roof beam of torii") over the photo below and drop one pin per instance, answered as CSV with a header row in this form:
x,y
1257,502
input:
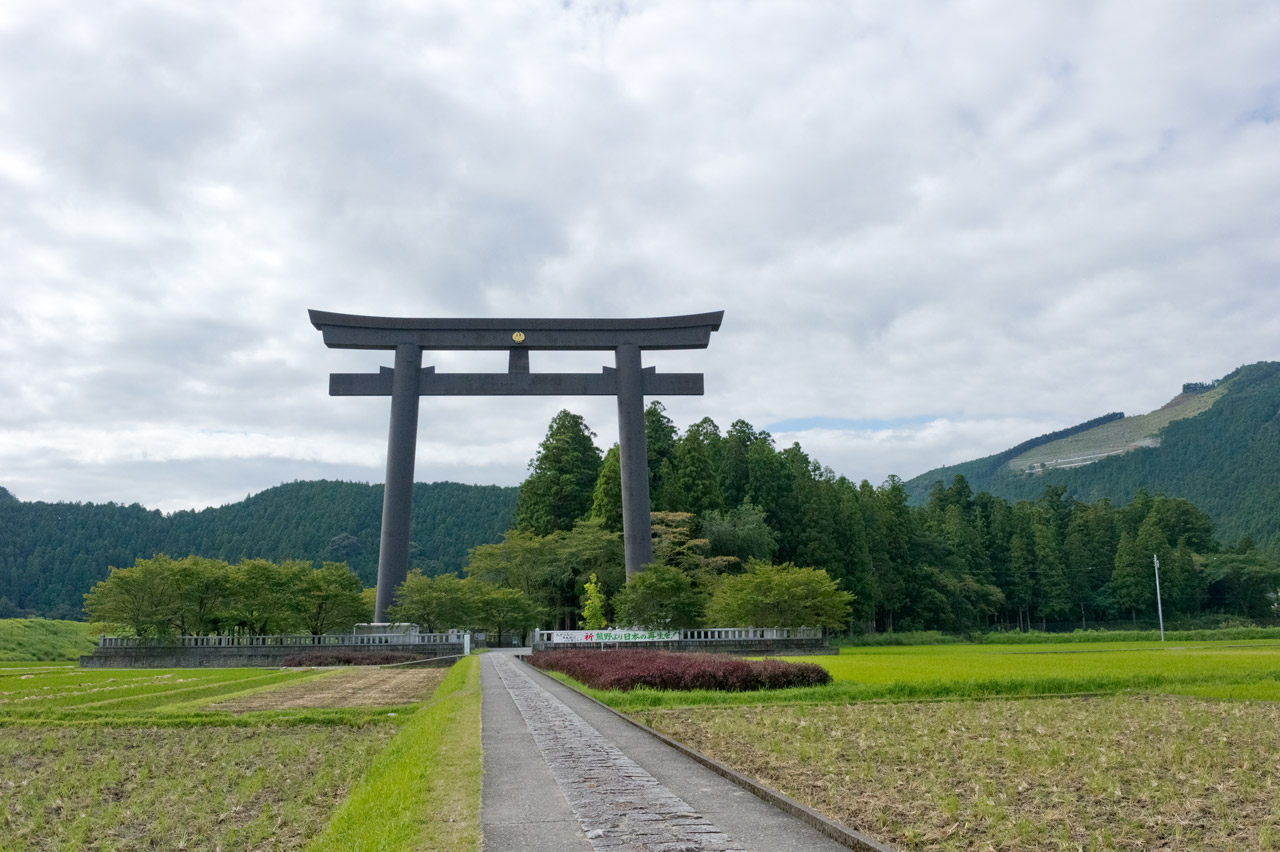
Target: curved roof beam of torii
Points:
x,y
350,331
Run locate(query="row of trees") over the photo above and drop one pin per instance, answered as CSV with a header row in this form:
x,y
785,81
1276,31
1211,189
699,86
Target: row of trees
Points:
x,y
196,596
960,562
162,597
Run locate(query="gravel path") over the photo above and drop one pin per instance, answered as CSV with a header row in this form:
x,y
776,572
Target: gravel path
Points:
x,y
621,807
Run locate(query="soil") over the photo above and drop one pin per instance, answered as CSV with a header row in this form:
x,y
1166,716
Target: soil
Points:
x,y
357,687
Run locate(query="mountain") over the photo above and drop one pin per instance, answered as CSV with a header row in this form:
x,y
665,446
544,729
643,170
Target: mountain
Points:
x,y
1216,444
52,553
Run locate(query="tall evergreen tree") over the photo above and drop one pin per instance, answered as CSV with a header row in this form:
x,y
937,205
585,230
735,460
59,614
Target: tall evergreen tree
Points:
x,y
606,499
660,443
562,477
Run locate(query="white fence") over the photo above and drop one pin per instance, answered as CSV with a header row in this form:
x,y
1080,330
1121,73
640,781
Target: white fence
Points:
x,y
300,641
710,634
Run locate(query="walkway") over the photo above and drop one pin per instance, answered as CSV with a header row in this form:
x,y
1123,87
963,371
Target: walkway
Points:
x,y
564,775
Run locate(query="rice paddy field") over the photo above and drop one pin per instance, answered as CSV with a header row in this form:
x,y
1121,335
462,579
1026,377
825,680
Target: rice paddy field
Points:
x,y
236,759
1113,746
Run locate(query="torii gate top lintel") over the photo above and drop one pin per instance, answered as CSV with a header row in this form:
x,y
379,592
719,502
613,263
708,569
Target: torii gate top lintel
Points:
x,y
352,331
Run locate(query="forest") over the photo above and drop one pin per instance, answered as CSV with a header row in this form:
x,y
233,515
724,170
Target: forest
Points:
x,y
960,562
51,554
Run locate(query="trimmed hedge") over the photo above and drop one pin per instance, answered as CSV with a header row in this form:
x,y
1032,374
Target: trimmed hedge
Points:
x,y
348,658
625,670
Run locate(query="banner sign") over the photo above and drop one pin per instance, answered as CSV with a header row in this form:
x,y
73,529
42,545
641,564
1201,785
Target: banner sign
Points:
x,y
558,636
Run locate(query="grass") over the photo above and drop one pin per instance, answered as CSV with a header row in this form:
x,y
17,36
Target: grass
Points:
x,y
423,792
41,639
984,671
1118,435
1112,772
88,694
1036,637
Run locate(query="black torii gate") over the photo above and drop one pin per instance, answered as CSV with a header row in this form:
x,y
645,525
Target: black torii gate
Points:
x,y
628,380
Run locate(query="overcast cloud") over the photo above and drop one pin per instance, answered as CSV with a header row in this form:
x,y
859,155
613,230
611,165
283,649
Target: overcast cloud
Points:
x,y
936,229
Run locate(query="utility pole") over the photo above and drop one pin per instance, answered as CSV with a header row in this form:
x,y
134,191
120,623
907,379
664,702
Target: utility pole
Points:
x,y
1159,607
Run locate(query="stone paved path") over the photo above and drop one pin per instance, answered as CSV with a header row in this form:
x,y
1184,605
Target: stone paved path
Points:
x,y
562,774
621,807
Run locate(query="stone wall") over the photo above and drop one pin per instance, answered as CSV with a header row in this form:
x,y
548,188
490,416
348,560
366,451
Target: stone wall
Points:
x,y
268,656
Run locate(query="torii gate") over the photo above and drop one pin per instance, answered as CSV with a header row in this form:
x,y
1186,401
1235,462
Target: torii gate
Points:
x,y
628,380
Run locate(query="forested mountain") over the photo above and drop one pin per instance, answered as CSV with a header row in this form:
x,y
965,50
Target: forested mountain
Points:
x,y
52,553
1217,444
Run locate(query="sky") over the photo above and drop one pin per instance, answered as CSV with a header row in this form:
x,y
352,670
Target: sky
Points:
x,y
936,228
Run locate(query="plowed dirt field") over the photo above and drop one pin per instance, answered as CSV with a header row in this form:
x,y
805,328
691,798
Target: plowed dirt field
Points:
x,y
357,687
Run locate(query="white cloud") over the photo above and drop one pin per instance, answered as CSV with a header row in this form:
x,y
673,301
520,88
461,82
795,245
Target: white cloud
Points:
x,y
1004,216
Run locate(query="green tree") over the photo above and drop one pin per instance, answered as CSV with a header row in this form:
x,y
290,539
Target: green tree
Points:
x,y
593,604
205,595
503,610
437,604
606,499
660,444
660,597
143,599
689,479
562,477
779,596
552,570
267,596
742,533
1133,580
331,599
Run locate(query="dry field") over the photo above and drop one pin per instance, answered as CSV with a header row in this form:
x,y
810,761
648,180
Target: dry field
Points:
x,y
1108,773
356,687
101,787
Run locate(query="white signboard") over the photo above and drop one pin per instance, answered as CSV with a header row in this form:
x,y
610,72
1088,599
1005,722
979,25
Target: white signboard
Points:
x,y
558,636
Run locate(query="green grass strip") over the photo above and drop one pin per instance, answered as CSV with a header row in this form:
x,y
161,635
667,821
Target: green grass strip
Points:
x,y
423,791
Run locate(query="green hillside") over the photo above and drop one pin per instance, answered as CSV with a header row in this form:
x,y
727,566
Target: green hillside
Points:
x,y
1217,445
38,639
52,553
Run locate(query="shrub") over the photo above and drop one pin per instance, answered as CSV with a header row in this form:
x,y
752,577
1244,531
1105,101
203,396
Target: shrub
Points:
x,y
625,670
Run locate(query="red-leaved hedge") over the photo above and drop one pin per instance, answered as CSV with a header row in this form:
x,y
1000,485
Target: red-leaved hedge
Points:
x,y
625,670
348,658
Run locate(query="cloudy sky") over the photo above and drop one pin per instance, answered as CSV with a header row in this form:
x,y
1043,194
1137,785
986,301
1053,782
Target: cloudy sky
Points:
x,y
935,228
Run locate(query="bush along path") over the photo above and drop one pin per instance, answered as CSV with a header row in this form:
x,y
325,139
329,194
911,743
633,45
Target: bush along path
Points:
x,y
626,670
627,791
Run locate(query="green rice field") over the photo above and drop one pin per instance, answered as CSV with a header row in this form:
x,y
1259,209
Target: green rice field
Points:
x,y
989,748
974,671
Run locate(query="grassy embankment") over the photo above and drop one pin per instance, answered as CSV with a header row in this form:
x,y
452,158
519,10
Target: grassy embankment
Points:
x,y
124,759
423,792
43,640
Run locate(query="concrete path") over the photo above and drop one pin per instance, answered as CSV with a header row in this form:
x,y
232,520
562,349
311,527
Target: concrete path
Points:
x,y
563,775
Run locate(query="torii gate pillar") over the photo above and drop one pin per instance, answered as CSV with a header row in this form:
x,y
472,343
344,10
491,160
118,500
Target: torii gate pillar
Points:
x,y
628,380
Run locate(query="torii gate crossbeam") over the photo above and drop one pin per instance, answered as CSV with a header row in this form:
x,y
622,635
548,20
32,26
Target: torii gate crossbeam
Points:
x,y
628,380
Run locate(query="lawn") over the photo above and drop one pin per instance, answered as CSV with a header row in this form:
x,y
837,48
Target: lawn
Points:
x,y
232,759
